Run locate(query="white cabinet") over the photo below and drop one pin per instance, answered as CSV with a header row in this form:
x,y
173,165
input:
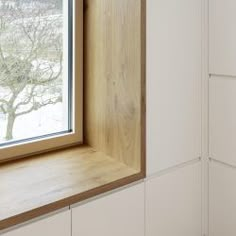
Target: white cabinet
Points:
x,y
173,82
56,225
118,214
173,203
223,119
222,200
222,33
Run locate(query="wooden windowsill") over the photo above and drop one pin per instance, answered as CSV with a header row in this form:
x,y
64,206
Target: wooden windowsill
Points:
x,y
35,186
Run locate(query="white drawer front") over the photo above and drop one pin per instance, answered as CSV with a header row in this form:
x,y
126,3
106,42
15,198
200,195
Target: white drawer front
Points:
x,y
118,214
56,225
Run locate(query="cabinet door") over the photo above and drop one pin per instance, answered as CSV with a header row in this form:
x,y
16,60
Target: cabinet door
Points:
x,y
118,214
173,203
222,200
56,225
173,82
222,35
223,119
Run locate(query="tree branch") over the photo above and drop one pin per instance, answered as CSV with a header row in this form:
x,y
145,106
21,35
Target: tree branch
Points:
x,y
37,105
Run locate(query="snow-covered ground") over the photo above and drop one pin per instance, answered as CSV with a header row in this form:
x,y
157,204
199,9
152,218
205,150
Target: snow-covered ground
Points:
x,y
49,119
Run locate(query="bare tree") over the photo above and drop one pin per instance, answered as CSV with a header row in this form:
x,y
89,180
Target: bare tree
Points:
x,y
30,62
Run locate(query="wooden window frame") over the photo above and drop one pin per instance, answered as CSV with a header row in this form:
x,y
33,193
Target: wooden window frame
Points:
x,y
29,147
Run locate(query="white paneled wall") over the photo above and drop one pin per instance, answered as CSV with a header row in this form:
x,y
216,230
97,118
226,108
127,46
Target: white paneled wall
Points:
x,y
173,82
173,205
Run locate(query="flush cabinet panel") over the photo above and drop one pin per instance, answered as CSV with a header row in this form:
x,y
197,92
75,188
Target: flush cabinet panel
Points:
x,y
173,203
56,225
223,119
222,33
173,82
222,200
118,214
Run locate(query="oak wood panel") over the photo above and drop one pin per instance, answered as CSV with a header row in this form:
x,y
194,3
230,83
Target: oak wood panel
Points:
x,y
48,182
115,79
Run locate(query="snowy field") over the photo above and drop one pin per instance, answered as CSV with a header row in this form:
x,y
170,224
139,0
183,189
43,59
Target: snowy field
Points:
x,y
46,120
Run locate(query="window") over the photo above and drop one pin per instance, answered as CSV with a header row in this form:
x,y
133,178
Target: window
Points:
x,y
40,88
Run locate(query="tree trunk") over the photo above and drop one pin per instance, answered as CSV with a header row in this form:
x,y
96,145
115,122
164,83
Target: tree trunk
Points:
x,y
10,125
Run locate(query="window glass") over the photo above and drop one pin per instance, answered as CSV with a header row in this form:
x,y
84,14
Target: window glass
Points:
x,y
35,79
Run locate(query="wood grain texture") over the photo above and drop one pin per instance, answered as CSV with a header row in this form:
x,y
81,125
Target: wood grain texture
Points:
x,y
48,182
115,78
